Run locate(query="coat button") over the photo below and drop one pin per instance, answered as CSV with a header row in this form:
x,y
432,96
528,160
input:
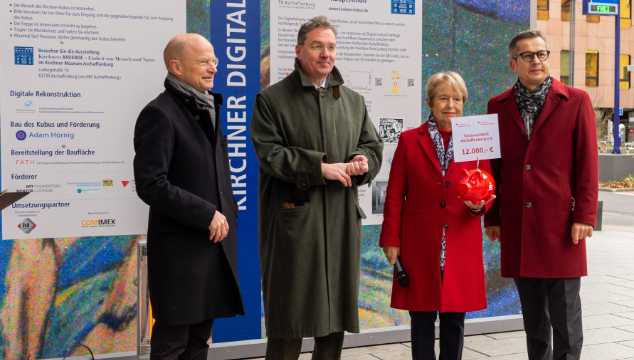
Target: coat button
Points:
x,y
197,117
442,205
220,192
528,167
446,226
529,204
303,184
323,95
447,183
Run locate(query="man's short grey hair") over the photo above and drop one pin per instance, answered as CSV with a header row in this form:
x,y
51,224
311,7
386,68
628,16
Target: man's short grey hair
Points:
x,y
317,21
528,34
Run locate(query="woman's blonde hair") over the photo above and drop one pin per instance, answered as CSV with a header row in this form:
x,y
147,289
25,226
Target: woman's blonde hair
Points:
x,y
452,78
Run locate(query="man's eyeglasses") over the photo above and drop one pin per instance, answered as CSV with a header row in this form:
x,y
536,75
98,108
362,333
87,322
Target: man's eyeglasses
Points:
x,y
528,56
332,48
204,63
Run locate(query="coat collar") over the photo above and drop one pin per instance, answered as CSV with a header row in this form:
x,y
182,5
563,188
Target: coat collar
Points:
x,y
335,78
429,149
218,100
555,94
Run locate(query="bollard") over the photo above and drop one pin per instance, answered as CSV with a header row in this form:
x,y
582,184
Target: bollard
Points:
x,y
599,222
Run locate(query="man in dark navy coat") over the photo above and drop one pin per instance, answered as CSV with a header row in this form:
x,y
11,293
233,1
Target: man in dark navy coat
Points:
x,y
181,169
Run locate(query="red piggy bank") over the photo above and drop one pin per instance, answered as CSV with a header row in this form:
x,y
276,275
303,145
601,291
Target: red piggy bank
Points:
x,y
475,185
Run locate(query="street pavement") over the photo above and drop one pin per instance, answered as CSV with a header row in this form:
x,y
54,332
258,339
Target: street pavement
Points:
x,y
607,297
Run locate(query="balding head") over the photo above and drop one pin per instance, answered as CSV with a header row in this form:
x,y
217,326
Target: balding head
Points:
x,y
178,46
184,57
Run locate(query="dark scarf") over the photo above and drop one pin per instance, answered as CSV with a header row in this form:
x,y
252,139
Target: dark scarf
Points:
x,y
444,158
204,101
531,103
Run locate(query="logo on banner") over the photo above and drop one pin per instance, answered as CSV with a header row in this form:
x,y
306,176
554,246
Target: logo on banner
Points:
x,y
405,7
28,104
20,135
27,225
98,223
23,55
107,183
88,191
125,183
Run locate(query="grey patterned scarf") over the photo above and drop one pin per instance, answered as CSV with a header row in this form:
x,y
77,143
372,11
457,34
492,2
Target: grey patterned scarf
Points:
x,y
444,158
203,100
531,103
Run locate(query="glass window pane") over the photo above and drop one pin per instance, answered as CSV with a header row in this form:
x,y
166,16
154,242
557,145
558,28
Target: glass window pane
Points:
x,y
564,64
565,10
593,18
626,14
592,68
625,75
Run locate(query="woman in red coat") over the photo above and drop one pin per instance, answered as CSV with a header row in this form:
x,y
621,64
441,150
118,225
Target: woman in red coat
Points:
x,y
437,236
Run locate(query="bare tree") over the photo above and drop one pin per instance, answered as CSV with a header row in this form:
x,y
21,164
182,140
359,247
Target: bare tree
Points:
x,y
597,96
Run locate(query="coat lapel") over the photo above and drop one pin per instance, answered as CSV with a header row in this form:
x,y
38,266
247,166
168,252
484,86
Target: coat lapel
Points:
x,y
552,100
513,109
428,146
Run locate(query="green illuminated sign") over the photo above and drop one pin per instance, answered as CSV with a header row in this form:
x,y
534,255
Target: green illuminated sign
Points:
x,y
603,8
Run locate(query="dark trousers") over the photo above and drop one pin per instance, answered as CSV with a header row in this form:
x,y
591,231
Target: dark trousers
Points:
x,y
552,303
326,348
424,335
180,342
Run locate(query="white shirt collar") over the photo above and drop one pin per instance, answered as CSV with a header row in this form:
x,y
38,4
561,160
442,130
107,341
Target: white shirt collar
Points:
x,y
323,84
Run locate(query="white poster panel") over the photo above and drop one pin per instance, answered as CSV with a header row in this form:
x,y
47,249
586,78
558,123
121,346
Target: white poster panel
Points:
x,y
74,76
476,137
379,56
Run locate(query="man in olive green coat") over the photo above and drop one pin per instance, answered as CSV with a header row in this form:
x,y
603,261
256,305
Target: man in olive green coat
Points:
x,y
316,144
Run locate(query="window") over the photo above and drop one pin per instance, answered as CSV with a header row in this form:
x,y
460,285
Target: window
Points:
x,y
625,75
565,10
542,9
564,65
592,68
626,14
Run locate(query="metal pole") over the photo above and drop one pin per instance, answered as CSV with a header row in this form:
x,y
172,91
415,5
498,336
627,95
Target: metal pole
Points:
x,y
617,82
571,52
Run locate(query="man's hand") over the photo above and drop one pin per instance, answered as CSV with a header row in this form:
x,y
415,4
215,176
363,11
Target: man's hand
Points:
x,y
492,232
580,231
337,172
391,253
357,166
475,207
218,228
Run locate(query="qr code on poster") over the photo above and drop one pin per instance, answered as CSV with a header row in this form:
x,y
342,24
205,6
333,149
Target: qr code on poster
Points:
x,y
410,82
378,82
390,129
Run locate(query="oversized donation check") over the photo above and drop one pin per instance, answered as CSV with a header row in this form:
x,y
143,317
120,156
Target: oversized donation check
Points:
x,y
476,137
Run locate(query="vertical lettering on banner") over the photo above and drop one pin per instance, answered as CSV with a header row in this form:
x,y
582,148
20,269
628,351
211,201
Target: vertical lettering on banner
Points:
x,y
235,34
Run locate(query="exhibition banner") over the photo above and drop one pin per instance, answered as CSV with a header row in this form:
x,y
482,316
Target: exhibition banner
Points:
x,y
75,75
378,56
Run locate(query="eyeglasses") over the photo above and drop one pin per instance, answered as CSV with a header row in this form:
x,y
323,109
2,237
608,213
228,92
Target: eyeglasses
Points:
x,y
332,48
204,63
528,56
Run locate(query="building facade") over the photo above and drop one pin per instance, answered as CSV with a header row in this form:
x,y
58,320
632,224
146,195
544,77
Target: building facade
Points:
x,y
594,57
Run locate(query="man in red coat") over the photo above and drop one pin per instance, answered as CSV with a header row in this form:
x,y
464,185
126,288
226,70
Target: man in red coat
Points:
x,y
547,197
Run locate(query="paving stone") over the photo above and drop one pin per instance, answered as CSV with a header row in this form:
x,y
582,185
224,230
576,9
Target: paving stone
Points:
x,y
602,298
606,335
628,303
627,343
629,315
375,349
508,335
603,308
476,338
606,352
605,321
626,292
499,347
359,357
520,356
395,355
468,354
629,328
